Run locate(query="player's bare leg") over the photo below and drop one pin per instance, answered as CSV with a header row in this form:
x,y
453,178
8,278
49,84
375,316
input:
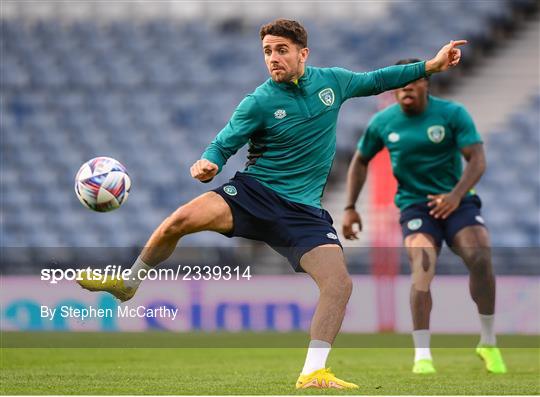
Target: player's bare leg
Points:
x,y
422,252
209,211
326,265
473,246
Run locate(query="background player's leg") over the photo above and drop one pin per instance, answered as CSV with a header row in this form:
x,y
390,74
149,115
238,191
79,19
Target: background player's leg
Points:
x,y
422,252
472,245
209,211
326,265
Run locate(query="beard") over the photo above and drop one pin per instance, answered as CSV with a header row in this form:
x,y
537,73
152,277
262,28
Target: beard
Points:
x,y
282,76
286,76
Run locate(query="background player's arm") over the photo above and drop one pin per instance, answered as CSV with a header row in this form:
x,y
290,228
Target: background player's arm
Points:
x,y
469,143
245,120
356,178
444,204
368,146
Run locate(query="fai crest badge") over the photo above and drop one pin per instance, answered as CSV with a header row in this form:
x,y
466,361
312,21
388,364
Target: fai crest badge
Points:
x,y
414,224
435,133
230,190
327,96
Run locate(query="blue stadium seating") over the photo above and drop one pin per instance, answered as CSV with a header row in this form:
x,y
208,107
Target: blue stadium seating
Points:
x,y
154,94
510,187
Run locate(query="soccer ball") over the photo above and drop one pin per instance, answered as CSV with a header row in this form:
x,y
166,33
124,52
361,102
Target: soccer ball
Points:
x,y
102,184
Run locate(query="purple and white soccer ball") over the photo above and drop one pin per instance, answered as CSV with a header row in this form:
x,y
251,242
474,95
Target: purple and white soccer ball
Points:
x,y
102,184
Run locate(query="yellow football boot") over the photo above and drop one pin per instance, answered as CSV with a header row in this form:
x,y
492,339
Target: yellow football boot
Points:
x,y
114,286
323,379
424,366
491,355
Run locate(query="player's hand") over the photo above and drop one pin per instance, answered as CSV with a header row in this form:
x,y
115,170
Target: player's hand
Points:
x,y
203,170
446,58
351,218
442,205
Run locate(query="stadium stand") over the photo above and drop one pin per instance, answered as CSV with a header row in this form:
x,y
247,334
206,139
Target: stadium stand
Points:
x,y
154,93
511,185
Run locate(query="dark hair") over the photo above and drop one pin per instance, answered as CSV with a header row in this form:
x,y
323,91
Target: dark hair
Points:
x,y
292,30
406,61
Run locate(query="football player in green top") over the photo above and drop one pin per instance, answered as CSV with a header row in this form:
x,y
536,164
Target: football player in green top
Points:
x,y
289,123
426,137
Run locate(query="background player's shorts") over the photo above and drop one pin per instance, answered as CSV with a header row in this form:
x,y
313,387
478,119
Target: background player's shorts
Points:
x,y
416,219
259,213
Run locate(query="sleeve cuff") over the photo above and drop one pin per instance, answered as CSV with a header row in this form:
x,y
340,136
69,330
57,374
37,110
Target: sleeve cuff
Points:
x,y
423,69
218,162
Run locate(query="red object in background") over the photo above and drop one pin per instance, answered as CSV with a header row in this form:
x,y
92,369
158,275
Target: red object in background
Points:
x,y
383,183
386,233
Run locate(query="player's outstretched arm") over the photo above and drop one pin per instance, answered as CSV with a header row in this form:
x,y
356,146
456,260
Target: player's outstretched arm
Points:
x,y
447,57
397,76
204,170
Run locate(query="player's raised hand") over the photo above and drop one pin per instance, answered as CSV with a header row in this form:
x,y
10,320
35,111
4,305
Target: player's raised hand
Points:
x,y
351,218
447,57
203,170
442,205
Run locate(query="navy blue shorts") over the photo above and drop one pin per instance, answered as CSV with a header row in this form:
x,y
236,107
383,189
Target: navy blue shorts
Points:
x,y
259,213
416,219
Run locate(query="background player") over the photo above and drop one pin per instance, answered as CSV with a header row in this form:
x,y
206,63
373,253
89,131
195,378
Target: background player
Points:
x,y
289,122
426,137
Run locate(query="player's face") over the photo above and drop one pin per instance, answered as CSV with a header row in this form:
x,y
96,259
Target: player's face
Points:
x,y
413,97
284,59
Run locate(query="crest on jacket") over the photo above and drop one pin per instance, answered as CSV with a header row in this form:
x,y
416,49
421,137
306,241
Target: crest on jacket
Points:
x,y
327,96
435,133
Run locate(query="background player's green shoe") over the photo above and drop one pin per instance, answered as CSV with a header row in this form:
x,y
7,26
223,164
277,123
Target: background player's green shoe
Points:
x,y
492,358
424,366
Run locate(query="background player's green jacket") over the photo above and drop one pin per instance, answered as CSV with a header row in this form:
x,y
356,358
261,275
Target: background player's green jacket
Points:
x,y
424,148
291,128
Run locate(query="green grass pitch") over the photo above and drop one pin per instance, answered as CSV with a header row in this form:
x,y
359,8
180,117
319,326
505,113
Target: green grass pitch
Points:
x,y
161,368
